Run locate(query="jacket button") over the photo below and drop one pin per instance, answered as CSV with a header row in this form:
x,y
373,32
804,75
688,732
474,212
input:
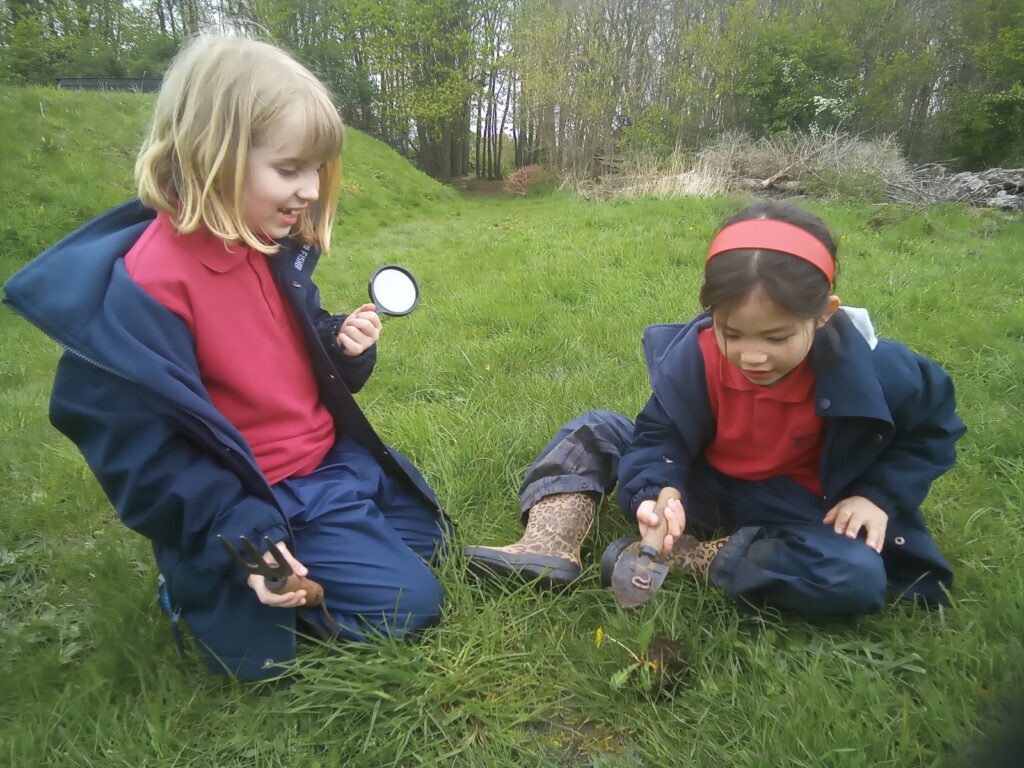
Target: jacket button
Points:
x,y
332,377
877,437
824,403
296,284
899,541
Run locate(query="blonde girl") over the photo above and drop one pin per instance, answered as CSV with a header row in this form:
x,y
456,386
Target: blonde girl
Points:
x,y
208,390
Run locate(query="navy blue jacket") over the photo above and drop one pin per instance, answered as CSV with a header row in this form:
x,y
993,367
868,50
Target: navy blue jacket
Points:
x,y
890,430
129,394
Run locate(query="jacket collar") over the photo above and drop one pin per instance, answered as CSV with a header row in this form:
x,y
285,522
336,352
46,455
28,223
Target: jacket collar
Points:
x,y
846,384
80,294
63,289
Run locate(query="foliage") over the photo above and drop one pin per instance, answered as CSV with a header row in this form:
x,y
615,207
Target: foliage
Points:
x,y
526,179
988,122
575,82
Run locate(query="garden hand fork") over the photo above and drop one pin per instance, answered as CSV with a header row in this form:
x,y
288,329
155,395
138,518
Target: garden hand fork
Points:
x,y
279,576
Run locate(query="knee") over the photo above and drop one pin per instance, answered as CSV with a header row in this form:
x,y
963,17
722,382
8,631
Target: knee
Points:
x,y
601,422
857,582
418,605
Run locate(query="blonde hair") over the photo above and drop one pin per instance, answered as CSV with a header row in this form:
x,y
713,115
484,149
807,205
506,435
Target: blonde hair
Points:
x,y
220,97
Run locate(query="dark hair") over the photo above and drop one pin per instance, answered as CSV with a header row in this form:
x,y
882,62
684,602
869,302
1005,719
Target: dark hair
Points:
x,y
797,286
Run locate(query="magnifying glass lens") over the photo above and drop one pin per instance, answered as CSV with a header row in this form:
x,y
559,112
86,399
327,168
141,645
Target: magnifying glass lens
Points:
x,y
394,291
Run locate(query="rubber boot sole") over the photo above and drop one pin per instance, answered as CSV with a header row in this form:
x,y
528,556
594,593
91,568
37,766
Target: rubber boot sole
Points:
x,y
547,571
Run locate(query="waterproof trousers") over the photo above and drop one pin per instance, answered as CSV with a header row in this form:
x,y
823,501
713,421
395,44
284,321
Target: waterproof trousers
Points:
x,y
367,538
779,552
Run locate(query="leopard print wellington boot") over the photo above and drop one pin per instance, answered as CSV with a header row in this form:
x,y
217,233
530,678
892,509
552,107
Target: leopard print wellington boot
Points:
x,y
688,554
549,551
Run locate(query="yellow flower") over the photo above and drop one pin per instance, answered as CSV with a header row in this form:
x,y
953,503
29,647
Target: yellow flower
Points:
x,y
599,637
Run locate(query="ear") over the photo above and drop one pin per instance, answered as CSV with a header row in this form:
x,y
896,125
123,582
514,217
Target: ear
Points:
x,y
833,306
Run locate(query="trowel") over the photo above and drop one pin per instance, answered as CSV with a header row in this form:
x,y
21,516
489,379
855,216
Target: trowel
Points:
x,y
636,578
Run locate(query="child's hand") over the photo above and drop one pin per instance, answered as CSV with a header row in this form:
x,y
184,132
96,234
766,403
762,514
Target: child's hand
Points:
x,y
856,512
360,330
286,599
674,516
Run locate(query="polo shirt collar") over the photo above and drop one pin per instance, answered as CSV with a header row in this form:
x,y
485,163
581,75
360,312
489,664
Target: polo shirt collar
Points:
x,y
208,249
796,387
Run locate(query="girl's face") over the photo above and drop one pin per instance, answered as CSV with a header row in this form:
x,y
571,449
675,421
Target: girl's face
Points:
x,y
279,182
765,341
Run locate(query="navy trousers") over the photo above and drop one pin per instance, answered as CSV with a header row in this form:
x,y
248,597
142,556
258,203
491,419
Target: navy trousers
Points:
x,y
779,552
367,538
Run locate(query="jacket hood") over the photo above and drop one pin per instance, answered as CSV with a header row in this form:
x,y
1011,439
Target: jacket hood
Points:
x,y
65,287
79,293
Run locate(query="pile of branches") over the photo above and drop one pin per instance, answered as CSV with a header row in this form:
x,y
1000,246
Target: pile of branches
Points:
x,y
996,187
826,164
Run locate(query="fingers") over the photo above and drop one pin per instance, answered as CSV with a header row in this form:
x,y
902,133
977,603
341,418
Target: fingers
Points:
x,y
296,566
675,519
359,324
876,535
368,307
360,330
645,514
366,312
850,516
286,600
839,517
676,516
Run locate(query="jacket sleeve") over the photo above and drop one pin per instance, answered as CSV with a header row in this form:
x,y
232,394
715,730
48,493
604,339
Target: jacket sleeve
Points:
x,y
161,483
656,457
354,371
924,443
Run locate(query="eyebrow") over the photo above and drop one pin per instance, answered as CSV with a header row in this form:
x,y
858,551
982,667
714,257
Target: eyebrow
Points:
x,y
766,332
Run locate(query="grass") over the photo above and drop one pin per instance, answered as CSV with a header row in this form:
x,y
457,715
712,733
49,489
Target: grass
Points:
x,y
532,311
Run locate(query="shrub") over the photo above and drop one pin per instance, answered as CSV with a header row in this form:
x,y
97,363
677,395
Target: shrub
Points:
x,y
525,178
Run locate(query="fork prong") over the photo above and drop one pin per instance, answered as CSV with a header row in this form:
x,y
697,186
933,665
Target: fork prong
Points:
x,y
283,570
256,559
234,555
259,566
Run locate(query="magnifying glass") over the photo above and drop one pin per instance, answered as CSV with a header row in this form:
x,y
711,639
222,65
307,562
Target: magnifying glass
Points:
x,y
393,290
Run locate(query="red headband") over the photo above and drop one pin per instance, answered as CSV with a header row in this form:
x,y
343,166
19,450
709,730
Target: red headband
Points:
x,y
772,235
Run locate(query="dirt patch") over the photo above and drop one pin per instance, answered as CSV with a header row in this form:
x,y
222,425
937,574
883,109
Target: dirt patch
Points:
x,y
470,185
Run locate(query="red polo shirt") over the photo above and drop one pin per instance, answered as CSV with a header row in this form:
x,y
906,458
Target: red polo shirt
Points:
x,y
762,431
252,359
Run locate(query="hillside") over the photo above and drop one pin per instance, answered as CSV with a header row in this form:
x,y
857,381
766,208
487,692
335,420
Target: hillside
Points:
x,y
67,156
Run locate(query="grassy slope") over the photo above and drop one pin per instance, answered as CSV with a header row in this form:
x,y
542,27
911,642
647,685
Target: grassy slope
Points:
x,y
531,314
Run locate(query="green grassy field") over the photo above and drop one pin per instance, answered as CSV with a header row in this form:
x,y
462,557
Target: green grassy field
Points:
x,y
531,313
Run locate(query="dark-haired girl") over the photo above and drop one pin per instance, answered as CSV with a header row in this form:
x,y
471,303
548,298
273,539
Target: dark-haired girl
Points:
x,y
802,447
